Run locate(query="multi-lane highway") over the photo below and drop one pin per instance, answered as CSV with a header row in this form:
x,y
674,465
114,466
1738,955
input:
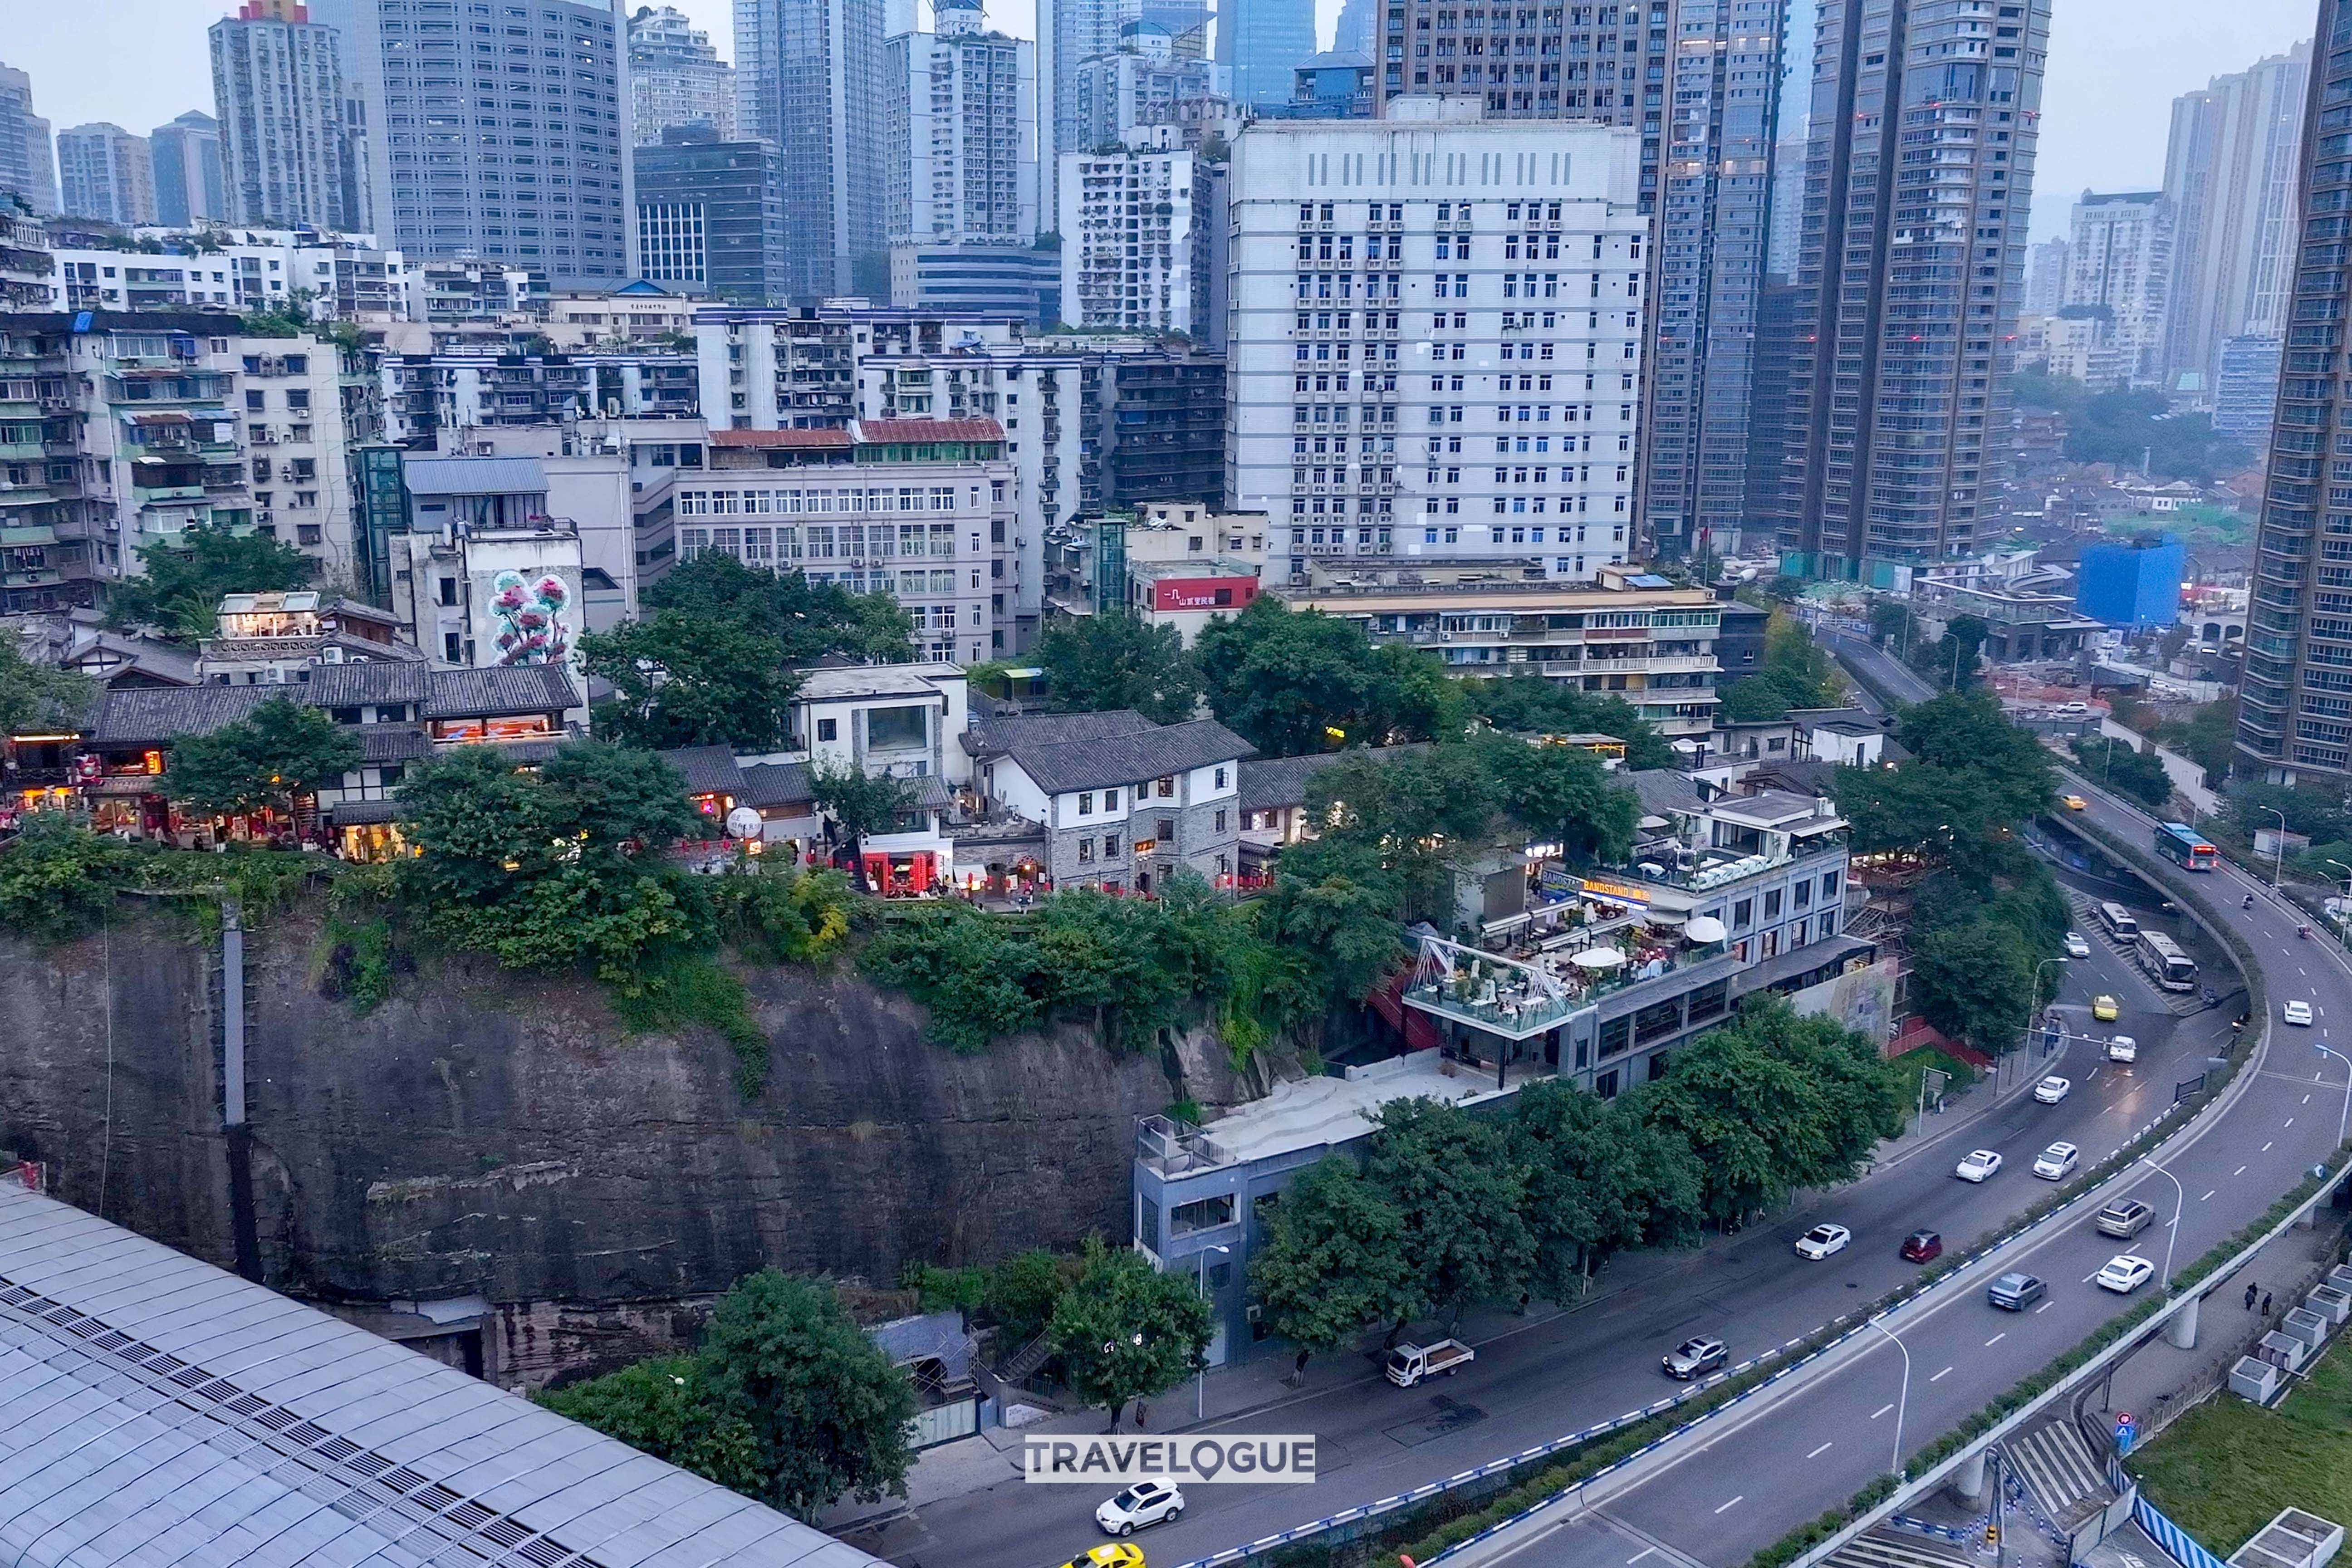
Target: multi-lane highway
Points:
x,y
1555,1376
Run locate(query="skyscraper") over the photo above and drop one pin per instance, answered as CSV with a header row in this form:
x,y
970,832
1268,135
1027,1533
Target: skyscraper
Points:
x,y
710,215
290,153
1262,42
2045,279
2119,265
104,172
961,131
2295,703
28,165
1070,32
2229,171
810,76
1918,175
676,76
529,167
187,159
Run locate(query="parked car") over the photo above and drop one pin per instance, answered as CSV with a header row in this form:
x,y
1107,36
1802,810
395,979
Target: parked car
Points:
x,y
1822,1240
1921,1247
2105,1009
2298,1013
2124,1274
1695,1358
2057,1161
2052,1090
2015,1291
1145,1502
2124,1218
1110,1554
2076,946
2071,711
1979,1165
1408,1364
2123,1048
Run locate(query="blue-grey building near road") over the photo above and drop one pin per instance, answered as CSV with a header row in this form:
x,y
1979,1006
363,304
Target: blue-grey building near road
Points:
x,y
710,215
2136,584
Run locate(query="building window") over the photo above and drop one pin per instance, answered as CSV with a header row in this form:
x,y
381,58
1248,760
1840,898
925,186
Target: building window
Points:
x,y
1086,803
1221,778
1201,1213
1221,822
828,729
1085,851
1110,846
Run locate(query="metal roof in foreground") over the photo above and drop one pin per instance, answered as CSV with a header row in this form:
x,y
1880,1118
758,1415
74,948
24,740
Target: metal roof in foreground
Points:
x,y
155,1410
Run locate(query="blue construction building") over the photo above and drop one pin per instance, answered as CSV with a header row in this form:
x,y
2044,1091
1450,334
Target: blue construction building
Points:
x,y
2134,584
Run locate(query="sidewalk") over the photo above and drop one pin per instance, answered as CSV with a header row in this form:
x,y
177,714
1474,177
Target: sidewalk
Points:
x,y
1260,1384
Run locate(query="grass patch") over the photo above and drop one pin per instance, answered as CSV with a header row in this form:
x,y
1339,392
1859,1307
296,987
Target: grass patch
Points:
x,y
2225,1469
697,990
1911,1064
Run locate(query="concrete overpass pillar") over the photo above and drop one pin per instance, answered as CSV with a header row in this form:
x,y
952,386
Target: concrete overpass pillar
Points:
x,y
2309,1218
1969,1480
2180,1333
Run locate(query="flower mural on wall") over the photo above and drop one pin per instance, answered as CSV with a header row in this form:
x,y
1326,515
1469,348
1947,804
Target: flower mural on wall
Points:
x,y
530,619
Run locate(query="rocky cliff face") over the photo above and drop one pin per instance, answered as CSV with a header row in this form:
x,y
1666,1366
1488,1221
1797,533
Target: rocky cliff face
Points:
x,y
485,1135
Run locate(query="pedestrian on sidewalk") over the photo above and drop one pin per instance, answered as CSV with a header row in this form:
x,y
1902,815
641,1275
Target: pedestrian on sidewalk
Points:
x,y
1142,1415
2266,1303
2251,1292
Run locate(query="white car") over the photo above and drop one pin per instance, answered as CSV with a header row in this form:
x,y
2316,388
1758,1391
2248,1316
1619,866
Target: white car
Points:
x,y
2076,946
2057,1161
1822,1240
1979,1165
1145,1502
2123,1048
2298,1013
2051,1090
2124,1274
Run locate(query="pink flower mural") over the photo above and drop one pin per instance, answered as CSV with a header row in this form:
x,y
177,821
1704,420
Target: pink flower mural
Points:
x,y
530,619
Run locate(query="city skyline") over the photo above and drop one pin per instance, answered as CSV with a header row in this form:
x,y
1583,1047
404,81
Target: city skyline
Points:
x,y
2107,105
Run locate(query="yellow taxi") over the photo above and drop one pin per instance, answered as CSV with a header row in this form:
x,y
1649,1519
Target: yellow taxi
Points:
x,y
2075,803
1110,1554
2104,1010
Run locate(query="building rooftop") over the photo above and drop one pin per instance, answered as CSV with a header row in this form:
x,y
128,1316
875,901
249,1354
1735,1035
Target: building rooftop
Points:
x,y
1321,1111
1058,766
842,683
474,476
156,1409
786,439
1272,783
876,430
997,733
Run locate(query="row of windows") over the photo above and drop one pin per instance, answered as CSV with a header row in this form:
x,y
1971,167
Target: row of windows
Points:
x,y
821,541
903,498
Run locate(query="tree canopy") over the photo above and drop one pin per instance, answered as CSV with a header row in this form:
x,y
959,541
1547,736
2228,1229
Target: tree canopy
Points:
x,y
275,755
182,581
1296,681
1529,704
2123,427
2121,765
33,697
1796,673
1097,664
1125,1330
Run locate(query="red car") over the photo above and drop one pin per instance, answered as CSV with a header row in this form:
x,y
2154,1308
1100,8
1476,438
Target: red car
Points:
x,y
1921,1247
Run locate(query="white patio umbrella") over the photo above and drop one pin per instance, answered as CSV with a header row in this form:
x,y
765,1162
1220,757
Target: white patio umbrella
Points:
x,y
1599,958
1706,928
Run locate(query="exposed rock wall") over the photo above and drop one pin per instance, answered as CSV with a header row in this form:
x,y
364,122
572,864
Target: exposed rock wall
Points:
x,y
485,1135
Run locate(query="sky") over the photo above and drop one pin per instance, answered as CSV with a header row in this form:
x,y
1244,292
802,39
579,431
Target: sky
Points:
x,y
2115,67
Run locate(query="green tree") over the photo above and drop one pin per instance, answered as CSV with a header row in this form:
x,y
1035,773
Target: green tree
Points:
x,y
1337,908
1970,980
809,620
2208,737
1124,1331
33,697
1796,673
183,580
1599,1180
1095,664
1022,1290
666,1407
274,756
57,882
1560,793
1449,1176
1333,1260
680,679
826,1408
1289,681
862,804
1529,704
1951,659
2121,765
785,914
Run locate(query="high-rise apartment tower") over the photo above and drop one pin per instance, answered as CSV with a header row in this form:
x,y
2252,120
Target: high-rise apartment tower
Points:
x,y
810,76
291,150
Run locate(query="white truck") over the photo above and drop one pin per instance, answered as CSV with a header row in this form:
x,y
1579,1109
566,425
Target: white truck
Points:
x,y
1408,1364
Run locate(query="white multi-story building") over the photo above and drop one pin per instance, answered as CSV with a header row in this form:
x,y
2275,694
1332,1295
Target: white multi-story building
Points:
x,y
1127,221
2119,267
28,165
291,141
961,131
244,270
1146,84
1435,338
105,172
675,76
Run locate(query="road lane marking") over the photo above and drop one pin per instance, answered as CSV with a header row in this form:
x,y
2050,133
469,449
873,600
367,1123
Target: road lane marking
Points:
x,y
2046,1306
1880,1411
2306,1099
2265,1148
1819,1452
1734,1502
1792,1345
2290,1122
1996,1339
2093,1274
1647,1552
2209,1195
2239,1172
1939,1376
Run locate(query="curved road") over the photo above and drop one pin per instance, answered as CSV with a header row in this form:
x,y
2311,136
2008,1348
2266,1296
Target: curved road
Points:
x,y
1536,1380
1821,1443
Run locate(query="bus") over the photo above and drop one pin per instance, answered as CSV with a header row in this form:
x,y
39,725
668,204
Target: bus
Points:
x,y
2164,962
2118,920
2179,843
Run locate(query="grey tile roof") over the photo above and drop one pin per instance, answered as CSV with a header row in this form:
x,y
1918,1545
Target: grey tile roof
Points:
x,y
355,813
156,715
777,784
351,685
508,688
1272,783
1059,766
393,742
154,1409
707,769
1662,790
994,735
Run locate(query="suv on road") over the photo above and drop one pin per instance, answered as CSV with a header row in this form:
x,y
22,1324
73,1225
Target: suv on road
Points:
x,y
2124,1218
1695,1358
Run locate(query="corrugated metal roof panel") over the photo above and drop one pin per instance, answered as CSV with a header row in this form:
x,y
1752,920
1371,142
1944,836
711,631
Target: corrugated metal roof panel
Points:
x,y
474,476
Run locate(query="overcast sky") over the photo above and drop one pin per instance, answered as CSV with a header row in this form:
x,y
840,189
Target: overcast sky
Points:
x,y
2115,67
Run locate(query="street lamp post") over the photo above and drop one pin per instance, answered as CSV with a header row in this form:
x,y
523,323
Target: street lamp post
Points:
x,y
2278,850
2347,876
2343,1122
2033,1006
2179,1201
1901,1398
1201,1283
